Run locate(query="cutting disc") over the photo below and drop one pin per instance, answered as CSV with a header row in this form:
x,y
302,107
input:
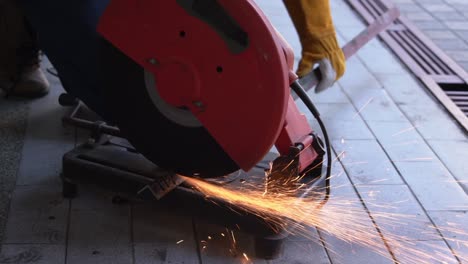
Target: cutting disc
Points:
x,y
197,86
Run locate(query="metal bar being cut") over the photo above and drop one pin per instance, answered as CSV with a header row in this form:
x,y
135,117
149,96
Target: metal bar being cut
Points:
x,y
374,29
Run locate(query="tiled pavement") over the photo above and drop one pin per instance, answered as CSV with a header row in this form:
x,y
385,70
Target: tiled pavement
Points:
x,y
396,145
444,21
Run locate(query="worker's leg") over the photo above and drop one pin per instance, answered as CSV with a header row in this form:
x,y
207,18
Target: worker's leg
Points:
x,y
20,74
67,34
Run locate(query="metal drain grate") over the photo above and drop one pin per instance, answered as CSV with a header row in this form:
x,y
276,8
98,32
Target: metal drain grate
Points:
x,y
440,74
458,93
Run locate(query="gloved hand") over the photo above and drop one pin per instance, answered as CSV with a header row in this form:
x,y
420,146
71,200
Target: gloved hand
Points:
x,y
313,22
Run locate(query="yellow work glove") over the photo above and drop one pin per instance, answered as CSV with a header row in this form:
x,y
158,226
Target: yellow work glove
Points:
x,y
313,22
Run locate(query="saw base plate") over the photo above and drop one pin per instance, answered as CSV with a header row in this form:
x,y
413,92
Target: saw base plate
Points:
x,y
111,163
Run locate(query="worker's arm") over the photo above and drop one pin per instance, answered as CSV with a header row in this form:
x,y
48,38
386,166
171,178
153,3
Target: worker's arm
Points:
x,y
314,25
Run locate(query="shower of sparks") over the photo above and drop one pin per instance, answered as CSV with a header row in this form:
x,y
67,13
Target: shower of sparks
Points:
x,y
341,217
363,107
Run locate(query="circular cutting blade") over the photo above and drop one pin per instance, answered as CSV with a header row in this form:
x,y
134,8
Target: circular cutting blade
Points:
x,y
221,60
187,150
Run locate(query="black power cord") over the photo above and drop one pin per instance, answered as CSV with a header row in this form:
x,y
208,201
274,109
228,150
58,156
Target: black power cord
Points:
x,y
301,93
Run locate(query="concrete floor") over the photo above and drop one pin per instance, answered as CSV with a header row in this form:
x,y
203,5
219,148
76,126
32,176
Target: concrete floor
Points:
x,y
395,143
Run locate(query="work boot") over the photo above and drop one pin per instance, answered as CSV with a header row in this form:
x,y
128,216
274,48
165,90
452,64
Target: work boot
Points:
x,y
30,81
5,83
20,74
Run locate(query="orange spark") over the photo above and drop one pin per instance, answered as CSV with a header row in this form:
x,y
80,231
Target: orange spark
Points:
x,y
405,130
362,108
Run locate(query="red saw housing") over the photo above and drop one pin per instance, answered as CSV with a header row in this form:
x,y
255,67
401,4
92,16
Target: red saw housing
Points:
x,y
223,61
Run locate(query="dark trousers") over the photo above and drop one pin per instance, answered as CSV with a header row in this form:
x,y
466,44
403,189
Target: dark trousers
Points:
x,y
66,32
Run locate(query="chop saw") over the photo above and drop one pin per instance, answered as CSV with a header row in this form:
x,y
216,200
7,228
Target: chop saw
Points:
x,y
214,77
199,88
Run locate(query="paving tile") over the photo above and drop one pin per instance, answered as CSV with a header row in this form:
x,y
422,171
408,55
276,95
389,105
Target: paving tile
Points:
x,y
100,236
463,34
442,7
419,113
397,213
339,180
339,121
456,2
453,225
14,114
396,132
38,214
4,208
162,237
430,25
10,160
433,185
94,198
344,129
344,16
13,123
345,220
452,44
410,7
28,198
152,224
464,65
223,249
366,163
403,1
429,120
448,16
431,252
401,142
419,16
161,253
405,89
380,60
344,111
332,95
461,6
46,141
38,254
303,252
454,155
459,55
351,252
357,78
440,34
457,25
431,1
377,105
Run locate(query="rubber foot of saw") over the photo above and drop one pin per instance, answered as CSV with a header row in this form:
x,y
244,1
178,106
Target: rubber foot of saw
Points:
x,y
69,190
